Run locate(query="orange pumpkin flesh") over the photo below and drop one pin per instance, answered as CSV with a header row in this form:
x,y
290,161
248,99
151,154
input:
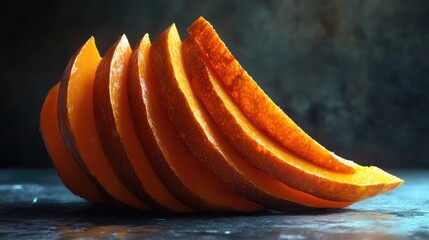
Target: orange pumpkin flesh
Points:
x,y
182,127
200,134
78,129
272,158
67,168
140,100
255,104
185,177
115,126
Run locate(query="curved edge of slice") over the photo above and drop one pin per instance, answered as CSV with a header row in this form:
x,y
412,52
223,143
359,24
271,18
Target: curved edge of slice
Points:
x,y
273,159
163,65
62,111
152,131
144,169
65,164
182,174
198,131
77,125
255,104
115,128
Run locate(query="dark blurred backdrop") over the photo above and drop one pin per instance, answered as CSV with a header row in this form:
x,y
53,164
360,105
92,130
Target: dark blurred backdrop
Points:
x,y
353,74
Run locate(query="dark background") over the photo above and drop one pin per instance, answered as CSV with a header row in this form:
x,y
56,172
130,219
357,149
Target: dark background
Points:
x,y
353,74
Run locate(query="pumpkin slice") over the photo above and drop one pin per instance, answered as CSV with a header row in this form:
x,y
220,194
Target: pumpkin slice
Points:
x,y
77,124
200,133
115,126
136,74
256,105
183,175
66,165
274,159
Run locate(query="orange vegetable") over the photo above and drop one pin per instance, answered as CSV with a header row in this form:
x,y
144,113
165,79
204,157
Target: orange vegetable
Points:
x,y
115,126
255,104
198,131
130,97
182,127
185,177
77,125
66,165
273,159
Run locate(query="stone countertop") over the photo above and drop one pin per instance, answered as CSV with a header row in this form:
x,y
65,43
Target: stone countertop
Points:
x,y
34,204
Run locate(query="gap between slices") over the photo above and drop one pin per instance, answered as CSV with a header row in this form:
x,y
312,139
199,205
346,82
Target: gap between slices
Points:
x,y
256,105
65,164
273,159
185,177
77,125
204,139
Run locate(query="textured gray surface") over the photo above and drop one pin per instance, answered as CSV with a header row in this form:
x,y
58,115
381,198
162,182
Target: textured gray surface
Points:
x,y
35,205
354,74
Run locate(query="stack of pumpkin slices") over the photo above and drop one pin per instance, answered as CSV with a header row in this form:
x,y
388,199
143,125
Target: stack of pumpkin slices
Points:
x,y
181,126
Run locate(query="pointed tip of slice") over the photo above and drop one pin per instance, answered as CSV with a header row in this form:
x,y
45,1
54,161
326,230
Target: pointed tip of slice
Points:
x,y
123,37
170,32
250,98
146,37
89,44
172,27
377,176
199,21
123,41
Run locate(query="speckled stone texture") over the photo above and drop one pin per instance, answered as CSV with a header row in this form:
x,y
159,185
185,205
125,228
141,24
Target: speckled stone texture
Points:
x,y
35,205
354,74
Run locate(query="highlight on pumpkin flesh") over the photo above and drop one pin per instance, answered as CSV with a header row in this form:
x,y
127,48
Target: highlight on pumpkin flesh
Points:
x,y
78,127
273,159
181,126
204,139
256,105
115,126
207,191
